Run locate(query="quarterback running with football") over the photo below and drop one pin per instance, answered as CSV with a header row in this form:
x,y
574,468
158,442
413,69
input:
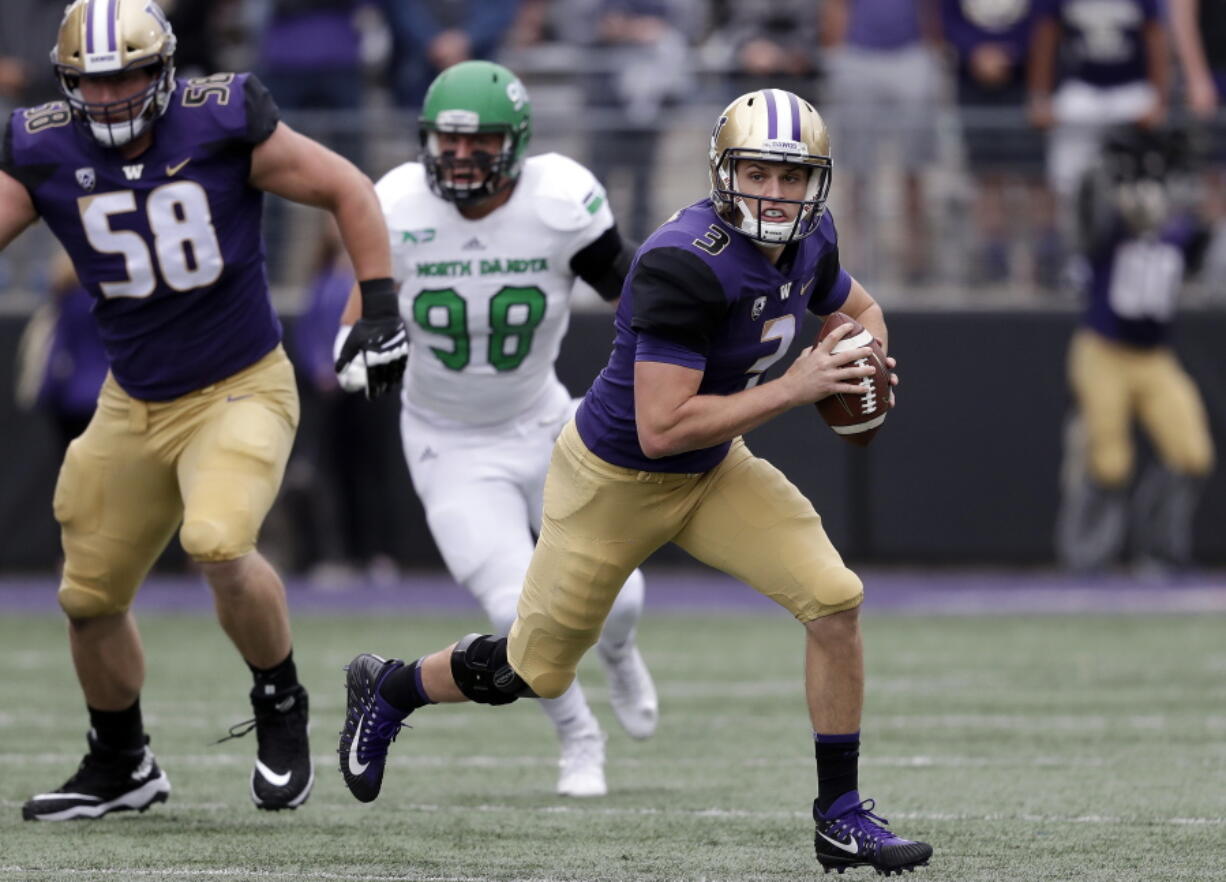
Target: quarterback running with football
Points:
x,y
655,455
486,244
154,187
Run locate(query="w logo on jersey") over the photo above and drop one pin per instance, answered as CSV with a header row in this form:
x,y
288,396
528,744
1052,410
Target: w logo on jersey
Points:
x,y
133,172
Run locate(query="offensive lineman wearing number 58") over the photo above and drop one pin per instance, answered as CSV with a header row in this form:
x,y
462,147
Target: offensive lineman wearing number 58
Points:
x,y
154,187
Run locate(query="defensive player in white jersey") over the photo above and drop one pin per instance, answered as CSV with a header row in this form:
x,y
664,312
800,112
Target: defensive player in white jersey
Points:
x,y
487,244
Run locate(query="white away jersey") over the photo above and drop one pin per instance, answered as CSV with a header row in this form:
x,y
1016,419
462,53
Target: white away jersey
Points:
x,y
487,301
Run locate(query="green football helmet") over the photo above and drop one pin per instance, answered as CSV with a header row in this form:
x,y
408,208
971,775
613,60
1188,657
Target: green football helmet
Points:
x,y
468,98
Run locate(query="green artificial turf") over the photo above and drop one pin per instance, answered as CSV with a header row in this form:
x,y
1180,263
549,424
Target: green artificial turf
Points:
x,y
1088,748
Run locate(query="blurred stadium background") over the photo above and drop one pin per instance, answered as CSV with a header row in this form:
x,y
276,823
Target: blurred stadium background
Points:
x,y
1000,722
976,486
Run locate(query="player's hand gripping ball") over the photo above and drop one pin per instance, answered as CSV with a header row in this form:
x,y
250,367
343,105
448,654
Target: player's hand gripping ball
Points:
x,y
857,417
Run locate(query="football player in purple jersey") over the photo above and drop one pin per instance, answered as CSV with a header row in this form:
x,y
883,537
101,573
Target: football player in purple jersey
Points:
x,y
1139,235
154,187
654,455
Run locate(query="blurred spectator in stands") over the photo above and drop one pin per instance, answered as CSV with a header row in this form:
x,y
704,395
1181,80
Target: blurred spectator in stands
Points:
x,y
773,45
638,66
430,35
884,87
310,58
346,461
27,27
990,44
195,27
62,359
531,26
1199,29
1094,64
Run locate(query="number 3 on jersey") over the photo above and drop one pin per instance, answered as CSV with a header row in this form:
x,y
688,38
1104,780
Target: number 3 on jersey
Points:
x,y
515,313
184,240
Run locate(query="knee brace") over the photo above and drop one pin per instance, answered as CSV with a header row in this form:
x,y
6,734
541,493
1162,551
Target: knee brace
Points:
x,y
481,671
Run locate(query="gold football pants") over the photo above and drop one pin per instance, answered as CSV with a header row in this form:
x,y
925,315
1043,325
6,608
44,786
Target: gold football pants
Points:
x,y
212,459
601,521
1114,383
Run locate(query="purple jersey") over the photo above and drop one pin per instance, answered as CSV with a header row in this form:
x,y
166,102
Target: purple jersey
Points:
x,y
702,296
1134,282
968,24
883,24
168,242
1102,40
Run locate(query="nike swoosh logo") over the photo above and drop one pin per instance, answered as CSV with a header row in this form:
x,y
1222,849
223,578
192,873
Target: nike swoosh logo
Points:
x,y
355,767
172,170
270,776
240,398
852,848
805,286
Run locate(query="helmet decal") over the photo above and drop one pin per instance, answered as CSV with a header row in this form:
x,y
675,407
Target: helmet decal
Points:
x,y
517,94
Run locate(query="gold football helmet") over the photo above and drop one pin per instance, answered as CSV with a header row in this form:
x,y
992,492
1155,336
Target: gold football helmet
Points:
x,y
770,125
106,37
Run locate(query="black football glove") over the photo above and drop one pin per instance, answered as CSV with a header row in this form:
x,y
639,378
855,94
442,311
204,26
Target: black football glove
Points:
x,y
379,338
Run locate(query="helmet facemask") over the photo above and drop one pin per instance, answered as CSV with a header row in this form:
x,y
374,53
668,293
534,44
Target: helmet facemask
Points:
x,y
115,123
499,169
736,206
1146,171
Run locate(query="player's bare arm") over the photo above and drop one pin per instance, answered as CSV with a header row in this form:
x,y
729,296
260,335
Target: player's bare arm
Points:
x,y
1202,93
296,168
673,418
865,309
1157,70
16,210
1042,70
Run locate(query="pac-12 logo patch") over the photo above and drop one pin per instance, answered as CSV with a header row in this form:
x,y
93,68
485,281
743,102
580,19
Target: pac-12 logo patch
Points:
x,y
86,178
758,305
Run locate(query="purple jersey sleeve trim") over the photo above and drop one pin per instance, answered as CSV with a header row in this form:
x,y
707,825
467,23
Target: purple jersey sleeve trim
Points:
x,y
652,348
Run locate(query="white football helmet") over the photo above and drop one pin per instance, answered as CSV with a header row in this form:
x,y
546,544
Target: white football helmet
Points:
x,y
99,37
770,125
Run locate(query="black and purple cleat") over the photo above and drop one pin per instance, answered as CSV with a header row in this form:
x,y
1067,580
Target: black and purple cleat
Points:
x,y
850,835
371,725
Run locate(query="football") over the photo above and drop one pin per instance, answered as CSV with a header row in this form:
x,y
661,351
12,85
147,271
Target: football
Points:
x,y
857,417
